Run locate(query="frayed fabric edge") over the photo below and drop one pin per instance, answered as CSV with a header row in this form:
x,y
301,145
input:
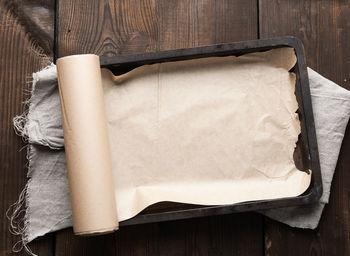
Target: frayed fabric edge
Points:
x,y
21,122
17,213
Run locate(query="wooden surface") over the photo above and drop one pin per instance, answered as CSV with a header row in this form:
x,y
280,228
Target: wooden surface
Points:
x,y
109,27
20,55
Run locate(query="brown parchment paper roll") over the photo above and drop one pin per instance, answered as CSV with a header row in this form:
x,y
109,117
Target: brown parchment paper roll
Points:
x,y
87,145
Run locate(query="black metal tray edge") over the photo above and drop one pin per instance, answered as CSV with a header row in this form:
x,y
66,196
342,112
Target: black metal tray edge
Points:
x,y
123,63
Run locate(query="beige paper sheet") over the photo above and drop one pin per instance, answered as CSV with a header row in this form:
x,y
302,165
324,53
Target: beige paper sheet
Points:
x,y
206,131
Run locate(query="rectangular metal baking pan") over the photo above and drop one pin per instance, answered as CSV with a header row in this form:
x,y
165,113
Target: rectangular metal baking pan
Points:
x,y
306,153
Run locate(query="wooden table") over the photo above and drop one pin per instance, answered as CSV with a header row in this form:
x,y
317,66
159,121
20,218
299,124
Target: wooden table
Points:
x,y
34,32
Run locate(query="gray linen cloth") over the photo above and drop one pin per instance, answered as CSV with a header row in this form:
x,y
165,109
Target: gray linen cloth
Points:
x,y
46,195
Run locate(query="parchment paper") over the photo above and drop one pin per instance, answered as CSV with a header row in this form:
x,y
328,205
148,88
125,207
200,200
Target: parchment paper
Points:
x,y
207,131
87,146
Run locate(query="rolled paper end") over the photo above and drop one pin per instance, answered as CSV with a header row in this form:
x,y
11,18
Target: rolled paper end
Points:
x,y
103,231
87,145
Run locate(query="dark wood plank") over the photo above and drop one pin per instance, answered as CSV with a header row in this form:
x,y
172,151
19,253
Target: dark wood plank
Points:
x,y
114,27
215,235
68,244
324,28
106,27
238,234
193,23
26,45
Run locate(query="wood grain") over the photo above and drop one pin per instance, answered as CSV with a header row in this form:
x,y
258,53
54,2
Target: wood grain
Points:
x,y
324,28
113,27
194,23
106,27
20,56
239,234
